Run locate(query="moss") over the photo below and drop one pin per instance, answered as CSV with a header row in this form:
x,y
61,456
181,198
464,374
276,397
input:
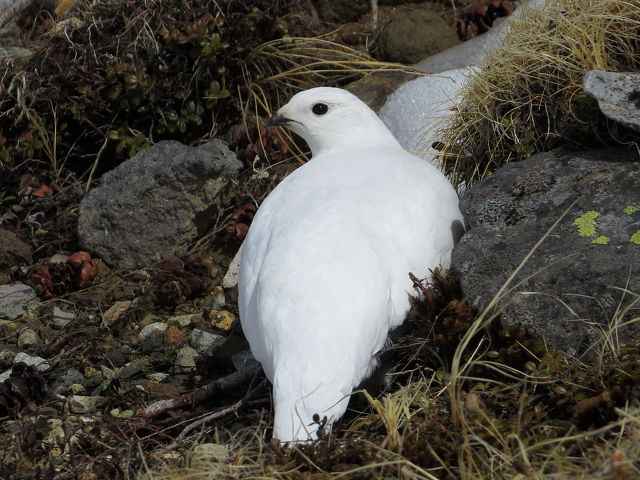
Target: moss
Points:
x,y
601,240
586,223
635,238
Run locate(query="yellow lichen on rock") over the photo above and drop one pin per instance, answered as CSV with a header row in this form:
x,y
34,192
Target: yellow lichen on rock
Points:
x,y
586,223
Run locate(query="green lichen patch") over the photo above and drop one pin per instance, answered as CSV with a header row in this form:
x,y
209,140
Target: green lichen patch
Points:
x,y
635,238
586,223
630,209
601,240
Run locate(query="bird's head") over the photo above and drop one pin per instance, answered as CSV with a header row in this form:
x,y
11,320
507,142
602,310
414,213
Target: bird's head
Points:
x,y
332,119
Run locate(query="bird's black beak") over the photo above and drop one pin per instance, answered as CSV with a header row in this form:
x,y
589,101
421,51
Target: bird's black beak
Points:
x,y
278,121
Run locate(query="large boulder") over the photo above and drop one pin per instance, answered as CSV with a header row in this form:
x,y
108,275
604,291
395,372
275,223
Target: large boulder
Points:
x,y
571,289
155,204
412,34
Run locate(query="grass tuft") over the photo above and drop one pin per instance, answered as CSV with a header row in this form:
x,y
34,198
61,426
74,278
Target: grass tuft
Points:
x,y
527,95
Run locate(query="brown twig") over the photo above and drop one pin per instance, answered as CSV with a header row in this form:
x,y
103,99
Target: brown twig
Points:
x,y
207,418
203,393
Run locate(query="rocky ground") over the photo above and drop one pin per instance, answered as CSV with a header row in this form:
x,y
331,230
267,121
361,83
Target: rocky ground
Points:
x,y
121,352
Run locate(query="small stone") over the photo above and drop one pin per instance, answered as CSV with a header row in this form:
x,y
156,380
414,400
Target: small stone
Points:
x,y
13,299
230,279
155,329
82,404
39,362
61,318
7,354
174,336
135,367
9,328
148,319
68,378
107,373
115,312
76,388
186,359
28,339
182,321
158,376
222,319
205,342
58,258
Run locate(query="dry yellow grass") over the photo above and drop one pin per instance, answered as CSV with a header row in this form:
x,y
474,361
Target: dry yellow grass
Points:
x,y
527,96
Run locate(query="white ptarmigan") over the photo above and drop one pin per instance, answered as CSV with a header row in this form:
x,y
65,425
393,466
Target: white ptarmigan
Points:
x,y
324,268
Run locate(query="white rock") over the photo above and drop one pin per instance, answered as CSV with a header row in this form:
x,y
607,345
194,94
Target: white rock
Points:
x,y
416,111
618,95
230,279
61,318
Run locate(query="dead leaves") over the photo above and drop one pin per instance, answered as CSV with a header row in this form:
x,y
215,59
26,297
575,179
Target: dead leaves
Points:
x,y
23,386
182,278
55,279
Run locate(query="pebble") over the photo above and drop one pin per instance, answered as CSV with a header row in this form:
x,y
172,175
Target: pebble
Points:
x,y
68,378
135,367
82,404
230,279
182,321
61,318
13,299
186,359
222,319
115,312
205,342
28,339
107,373
158,376
155,329
174,336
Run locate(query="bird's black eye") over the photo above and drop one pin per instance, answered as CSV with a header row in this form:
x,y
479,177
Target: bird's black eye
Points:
x,y
320,108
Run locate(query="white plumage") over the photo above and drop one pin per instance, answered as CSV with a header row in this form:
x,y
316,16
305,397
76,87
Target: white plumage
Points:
x,y
324,268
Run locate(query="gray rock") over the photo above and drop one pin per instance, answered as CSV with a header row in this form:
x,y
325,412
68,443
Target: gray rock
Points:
x,y
13,300
155,204
374,88
618,95
61,318
28,339
135,367
70,377
40,363
13,251
205,342
155,329
412,34
81,404
186,359
573,274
